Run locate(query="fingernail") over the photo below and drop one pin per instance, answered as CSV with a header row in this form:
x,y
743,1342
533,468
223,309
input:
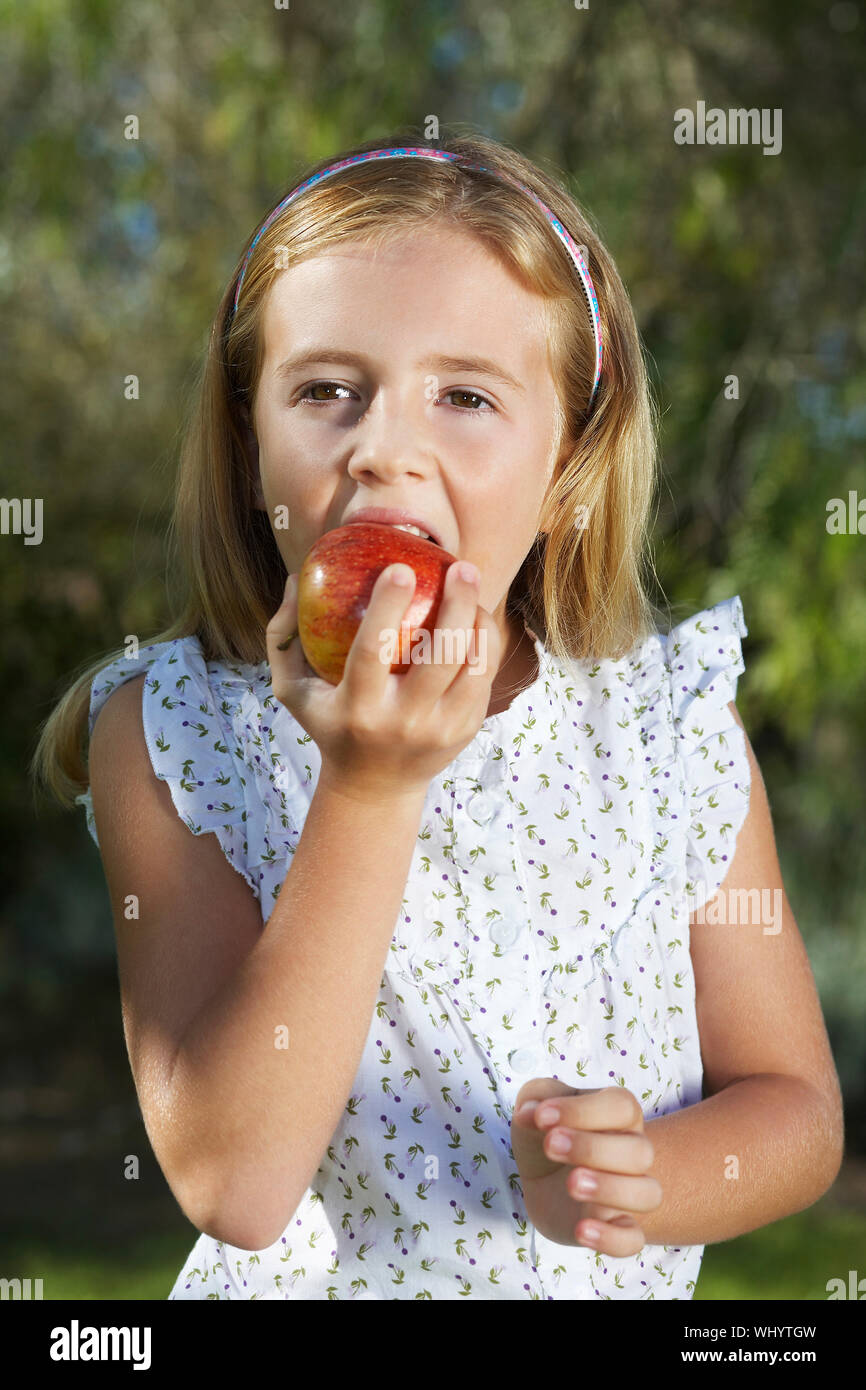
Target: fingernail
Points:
x,y
590,1235
526,1109
559,1143
550,1116
401,575
468,572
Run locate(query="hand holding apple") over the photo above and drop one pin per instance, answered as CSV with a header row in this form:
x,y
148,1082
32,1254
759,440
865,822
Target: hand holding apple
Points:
x,y
382,734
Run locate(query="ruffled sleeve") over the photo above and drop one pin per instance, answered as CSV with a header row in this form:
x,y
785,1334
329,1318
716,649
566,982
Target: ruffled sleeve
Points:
x,y
704,657
105,682
188,740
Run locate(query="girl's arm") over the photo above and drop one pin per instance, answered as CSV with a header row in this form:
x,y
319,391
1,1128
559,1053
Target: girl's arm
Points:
x,y
239,1122
768,1138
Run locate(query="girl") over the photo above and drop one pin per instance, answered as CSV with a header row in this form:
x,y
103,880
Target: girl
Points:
x,y
364,931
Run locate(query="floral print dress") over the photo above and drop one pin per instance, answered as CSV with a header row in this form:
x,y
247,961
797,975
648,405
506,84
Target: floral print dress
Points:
x,y
544,931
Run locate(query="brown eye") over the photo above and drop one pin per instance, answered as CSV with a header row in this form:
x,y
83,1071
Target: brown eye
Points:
x,y
472,396
321,386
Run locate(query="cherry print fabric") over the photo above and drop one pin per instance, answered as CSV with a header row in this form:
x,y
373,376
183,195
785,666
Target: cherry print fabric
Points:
x,y
544,931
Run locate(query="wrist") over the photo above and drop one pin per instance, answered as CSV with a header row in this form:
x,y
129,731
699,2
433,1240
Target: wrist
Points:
x,y
355,792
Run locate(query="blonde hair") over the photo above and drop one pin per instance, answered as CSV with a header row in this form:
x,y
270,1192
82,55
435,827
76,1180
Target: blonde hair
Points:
x,y
580,588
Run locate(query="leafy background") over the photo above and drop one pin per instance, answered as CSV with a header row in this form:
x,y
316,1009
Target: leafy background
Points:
x,y
113,256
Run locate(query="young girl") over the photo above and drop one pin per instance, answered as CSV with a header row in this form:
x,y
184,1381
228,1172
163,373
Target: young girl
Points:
x,y
359,926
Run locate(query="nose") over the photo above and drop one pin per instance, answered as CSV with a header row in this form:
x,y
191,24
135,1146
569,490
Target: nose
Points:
x,y
391,439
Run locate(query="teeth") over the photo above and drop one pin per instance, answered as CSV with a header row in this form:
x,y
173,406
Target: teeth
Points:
x,y
413,530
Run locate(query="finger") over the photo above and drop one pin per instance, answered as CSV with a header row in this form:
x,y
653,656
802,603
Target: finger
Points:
x,y
482,661
611,1108
451,643
620,1237
533,1092
605,1151
626,1193
290,673
592,1211
368,665
283,626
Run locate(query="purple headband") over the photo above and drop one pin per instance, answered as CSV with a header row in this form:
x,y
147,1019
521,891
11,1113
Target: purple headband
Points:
x,y
424,153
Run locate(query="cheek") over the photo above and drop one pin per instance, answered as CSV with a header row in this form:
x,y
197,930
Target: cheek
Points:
x,y
287,482
296,505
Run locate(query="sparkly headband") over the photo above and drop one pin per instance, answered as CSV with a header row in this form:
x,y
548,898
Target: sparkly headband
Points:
x,y
425,153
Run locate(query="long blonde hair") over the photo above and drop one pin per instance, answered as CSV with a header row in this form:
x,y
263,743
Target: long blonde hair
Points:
x,y
580,588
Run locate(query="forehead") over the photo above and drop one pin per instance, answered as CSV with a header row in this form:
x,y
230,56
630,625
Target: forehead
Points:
x,y
436,286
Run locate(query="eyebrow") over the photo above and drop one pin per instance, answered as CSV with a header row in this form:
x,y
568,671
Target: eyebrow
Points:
x,y
479,366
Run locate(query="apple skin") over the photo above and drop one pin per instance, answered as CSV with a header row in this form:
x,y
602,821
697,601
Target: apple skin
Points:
x,y
336,581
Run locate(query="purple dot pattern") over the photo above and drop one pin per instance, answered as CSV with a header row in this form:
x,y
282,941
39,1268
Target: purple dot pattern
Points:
x,y
544,932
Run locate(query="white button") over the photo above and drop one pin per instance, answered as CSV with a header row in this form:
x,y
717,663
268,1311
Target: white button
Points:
x,y
481,808
504,933
524,1059
286,779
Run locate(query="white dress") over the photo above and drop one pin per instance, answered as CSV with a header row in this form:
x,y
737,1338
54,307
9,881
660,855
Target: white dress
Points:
x,y
544,931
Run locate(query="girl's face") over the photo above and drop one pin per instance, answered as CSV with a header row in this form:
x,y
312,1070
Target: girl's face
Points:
x,y
424,385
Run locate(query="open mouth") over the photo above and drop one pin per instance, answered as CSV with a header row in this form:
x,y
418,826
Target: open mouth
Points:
x,y
413,531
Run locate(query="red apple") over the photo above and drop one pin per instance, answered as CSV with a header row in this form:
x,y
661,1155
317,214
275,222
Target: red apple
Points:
x,y
336,580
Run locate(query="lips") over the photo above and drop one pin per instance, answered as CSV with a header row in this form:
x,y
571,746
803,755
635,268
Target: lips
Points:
x,y
394,516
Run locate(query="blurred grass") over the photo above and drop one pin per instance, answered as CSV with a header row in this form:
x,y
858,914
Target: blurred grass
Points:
x,y
792,1259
